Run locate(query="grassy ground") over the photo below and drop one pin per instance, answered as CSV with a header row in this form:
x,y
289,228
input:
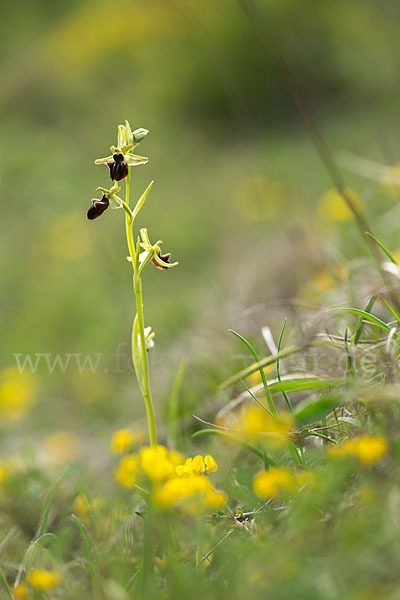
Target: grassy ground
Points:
x,y
304,500
294,487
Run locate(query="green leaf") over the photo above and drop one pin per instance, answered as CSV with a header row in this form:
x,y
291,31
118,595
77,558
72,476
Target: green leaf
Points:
x,y
263,378
137,355
366,316
360,326
313,410
141,201
264,362
303,384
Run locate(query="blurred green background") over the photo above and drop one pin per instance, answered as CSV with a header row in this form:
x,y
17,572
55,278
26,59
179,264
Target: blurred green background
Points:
x,y
238,195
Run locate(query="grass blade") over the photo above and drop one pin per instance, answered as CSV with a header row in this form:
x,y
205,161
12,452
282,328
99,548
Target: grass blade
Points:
x,y
278,370
382,247
269,360
361,323
263,378
366,317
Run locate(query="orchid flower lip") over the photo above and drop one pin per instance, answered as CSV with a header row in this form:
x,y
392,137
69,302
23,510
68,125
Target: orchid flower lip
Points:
x,y
98,207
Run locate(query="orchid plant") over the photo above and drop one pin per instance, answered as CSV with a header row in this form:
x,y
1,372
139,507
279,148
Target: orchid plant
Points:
x,y
141,253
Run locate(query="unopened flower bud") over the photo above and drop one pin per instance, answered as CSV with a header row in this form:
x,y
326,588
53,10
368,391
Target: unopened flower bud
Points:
x,y
118,167
139,134
98,207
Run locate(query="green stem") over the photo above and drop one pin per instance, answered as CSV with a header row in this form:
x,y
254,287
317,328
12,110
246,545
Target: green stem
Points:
x,y
129,223
144,383
145,387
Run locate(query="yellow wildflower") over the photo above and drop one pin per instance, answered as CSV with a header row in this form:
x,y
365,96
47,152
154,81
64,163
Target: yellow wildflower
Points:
x,y
16,393
370,449
211,465
126,473
255,421
60,447
255,378
189,493
20,592
3,473
196,465
123,440
186,469
271,483
331,205
81,506
155,463
175,458
367,449
43,580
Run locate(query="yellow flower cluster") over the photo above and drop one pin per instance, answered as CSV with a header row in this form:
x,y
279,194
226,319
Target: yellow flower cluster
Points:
x,y
176,482
158,463
20,592
155,463
367,449
191,494
38,579
271,483
126,474
124,440
278,480
196,465
257,422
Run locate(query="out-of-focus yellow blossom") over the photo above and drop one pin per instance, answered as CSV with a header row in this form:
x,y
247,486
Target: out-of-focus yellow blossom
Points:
x,y
17,392
126,473
323,281
331,205
271,483
43,580
196,465
367,449
152,24
81,507
255,378
124,440
396,255
191,494
3,473
255,421
175,458
60,447
20,592
157,463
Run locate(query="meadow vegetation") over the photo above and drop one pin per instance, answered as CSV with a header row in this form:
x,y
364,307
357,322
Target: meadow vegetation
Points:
x,y
267,463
